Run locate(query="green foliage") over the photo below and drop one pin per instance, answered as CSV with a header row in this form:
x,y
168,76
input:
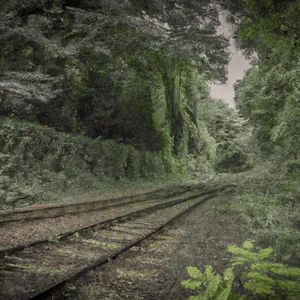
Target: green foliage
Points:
x,y
126,74
107,79
269,27
38,164
260,277
263,277
232,135
269,97
266,96
214,286
269,209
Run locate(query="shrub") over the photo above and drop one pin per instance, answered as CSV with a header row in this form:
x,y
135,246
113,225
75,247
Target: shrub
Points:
x,y
259,275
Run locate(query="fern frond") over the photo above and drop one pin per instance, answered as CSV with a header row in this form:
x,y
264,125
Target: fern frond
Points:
x,y
260,287
266,266
196,274
226,285
277,268
246,254
292,287
248,245
286,271
260,276
265,253
214,281
229,275
237,261
224,295
191,284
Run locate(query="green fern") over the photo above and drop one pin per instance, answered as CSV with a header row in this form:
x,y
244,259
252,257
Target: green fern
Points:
x,y
260,277
214,286
265,278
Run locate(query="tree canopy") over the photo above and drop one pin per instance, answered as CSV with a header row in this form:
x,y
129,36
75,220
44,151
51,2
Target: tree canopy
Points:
x,y
107,57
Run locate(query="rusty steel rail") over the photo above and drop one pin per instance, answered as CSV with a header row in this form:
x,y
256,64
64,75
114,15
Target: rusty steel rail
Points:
x,y
160,205
32,213
184,206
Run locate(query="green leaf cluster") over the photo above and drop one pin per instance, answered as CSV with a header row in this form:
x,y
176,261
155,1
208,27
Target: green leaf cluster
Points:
x,y
106,82
38,164
263,277
270,27
260,277
209,285
269,94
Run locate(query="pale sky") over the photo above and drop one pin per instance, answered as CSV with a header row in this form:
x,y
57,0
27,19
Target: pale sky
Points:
x,y
236,67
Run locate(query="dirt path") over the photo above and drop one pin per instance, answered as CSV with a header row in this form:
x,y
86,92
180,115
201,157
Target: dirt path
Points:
x,y
155,269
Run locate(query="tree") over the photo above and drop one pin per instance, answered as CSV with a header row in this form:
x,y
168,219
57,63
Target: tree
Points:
x,y
269,27
110,54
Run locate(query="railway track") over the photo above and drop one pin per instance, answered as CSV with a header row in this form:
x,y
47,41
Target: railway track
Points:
x,y
36,269
51,211
40,229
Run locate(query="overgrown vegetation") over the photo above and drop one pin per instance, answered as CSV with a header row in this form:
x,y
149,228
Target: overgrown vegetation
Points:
x,y
259,275
125,84
124,68
39,164
268,96
98,91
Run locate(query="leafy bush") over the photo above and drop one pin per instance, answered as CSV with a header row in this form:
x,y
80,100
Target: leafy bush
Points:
x,y
38,163
259,275
263,277
215,287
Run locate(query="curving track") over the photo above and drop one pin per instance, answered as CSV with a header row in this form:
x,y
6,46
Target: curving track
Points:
x,y
30,272
51,211
31,226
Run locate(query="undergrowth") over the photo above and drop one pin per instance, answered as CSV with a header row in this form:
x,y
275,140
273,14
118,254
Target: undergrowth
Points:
x,y
266,201
268,205
260,277
40,165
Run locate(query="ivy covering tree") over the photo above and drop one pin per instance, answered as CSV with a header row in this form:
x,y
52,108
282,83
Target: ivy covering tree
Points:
x,y
131,72
96,90
122,49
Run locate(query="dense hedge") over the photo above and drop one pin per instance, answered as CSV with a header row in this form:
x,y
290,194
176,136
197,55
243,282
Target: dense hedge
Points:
x,y
37,162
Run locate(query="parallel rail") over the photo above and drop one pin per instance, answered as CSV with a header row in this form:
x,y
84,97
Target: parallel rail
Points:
x,y
119,210
42,268
33,213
